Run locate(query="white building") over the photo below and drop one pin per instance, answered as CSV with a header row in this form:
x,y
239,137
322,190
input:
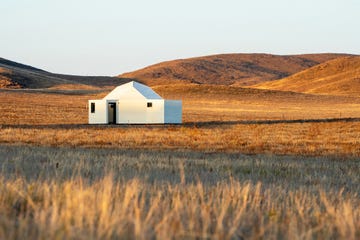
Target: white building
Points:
x,y
134,103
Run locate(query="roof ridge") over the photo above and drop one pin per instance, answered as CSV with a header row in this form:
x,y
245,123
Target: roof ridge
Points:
x,y
142,89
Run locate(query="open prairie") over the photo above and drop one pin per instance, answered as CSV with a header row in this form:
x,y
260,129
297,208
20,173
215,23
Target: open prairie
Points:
x,y
245,164
216,118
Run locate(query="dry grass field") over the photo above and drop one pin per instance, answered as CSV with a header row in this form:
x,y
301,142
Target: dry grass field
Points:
x,y
225,119
246,164
68,193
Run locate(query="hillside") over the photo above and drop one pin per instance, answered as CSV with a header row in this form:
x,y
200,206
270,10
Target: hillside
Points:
x,y
17,75
225,69
336,77
228,69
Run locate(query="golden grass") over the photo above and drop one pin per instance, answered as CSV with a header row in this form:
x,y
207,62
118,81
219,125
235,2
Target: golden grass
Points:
x,y
5,81
134,210
126,182
226,69
52,193
34,108
74,87
224,103
211,123
339,138
201,103
336,77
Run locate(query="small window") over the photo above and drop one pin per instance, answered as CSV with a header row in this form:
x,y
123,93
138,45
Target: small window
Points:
x,y
149,104
92,107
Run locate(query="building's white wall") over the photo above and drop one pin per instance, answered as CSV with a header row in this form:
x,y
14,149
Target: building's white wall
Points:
x,y
155,114
131,112
100,115
138,112
173,111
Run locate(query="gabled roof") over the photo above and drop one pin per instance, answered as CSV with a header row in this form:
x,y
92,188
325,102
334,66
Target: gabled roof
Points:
x,y
132,90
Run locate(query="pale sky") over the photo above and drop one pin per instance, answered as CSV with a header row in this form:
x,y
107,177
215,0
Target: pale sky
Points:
x,y
109,37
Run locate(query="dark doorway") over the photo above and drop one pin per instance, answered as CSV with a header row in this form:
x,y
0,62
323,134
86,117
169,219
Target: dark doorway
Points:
x,y
112,113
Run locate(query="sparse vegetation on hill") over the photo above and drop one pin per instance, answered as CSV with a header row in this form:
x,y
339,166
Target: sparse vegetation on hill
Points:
x,y
6,80
16,75
336,77
227,69
8,63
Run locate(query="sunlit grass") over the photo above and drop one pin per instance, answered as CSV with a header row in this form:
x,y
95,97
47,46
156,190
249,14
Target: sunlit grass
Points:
x,y
200,104
57,193
332,138
189,181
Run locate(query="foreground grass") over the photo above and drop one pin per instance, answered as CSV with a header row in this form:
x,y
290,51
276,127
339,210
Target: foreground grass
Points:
x,y
57,193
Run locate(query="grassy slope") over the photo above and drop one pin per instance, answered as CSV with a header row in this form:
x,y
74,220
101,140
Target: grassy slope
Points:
x,y
16,75
335,77
5,79
226,69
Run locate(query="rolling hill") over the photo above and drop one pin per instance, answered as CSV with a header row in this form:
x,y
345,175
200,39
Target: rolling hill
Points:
x,y
17,75
229,69
336,77
226,69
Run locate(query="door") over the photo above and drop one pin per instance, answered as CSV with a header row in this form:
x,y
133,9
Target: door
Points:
x,y
112,113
